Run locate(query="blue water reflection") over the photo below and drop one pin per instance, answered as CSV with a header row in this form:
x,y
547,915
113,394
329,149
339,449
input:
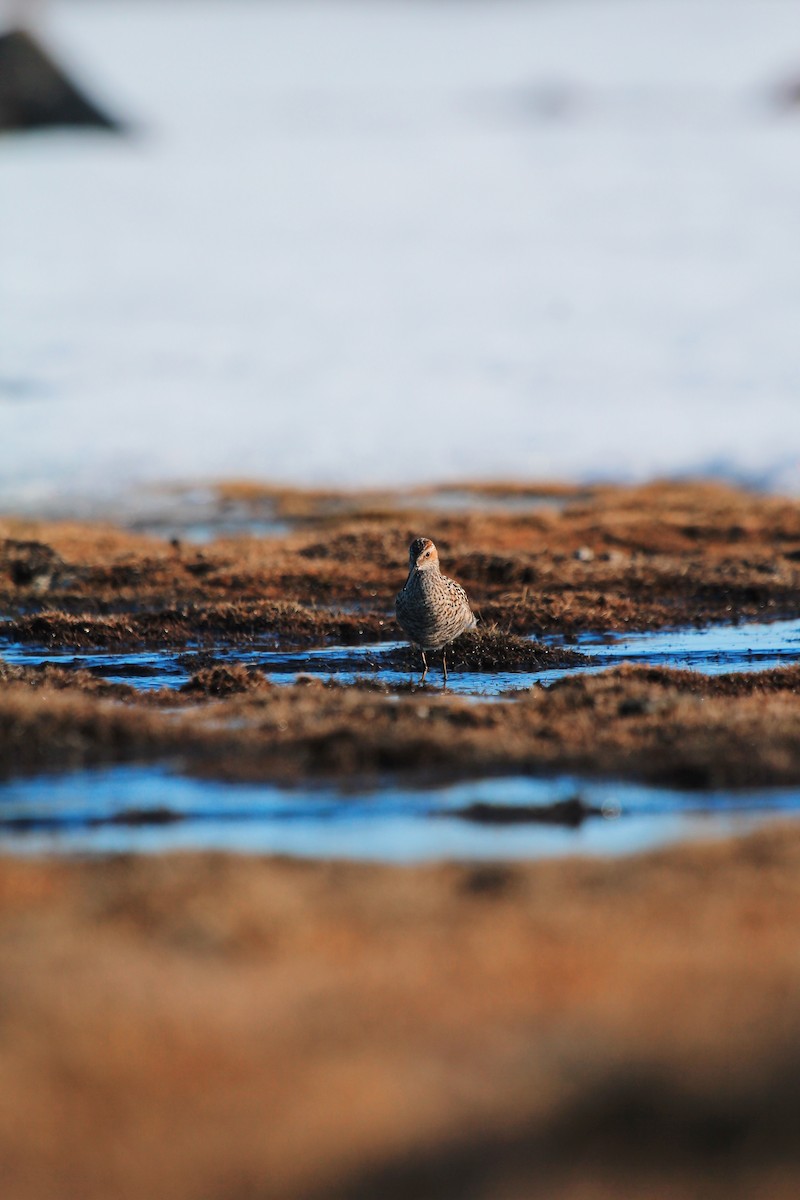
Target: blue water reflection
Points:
x,y
712,650
149,809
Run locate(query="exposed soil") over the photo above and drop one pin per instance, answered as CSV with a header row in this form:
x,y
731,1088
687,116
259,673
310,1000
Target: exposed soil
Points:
x,y
219,1027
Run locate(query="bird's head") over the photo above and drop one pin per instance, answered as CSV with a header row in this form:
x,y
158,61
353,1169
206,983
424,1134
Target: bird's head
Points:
x,y
422,555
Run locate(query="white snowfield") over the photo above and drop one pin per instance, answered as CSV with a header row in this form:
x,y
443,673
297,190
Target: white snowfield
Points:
x,y
393,241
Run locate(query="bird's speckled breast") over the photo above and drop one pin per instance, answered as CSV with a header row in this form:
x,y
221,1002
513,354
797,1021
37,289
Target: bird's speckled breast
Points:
x,y
433,610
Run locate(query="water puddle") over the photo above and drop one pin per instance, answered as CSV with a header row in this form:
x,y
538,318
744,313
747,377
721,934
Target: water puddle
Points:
x,y
152,669
201,514
456,501
200,520
712,650
146,669
200,532
153,809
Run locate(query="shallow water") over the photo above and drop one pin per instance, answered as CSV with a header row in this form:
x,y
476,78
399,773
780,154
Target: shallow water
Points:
x,y
200,514
200,532
453,500
712,650
211,522
153,809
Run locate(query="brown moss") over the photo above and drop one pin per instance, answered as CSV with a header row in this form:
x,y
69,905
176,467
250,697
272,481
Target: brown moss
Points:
x,y
486,651
660,726
225,681
608,558
46,729
489,650
287,623
45,675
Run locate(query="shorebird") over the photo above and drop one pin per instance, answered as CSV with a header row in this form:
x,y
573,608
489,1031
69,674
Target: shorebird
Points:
x,y
432,610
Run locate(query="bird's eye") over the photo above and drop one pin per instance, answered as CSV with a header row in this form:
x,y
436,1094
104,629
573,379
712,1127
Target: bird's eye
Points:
x,y
427,553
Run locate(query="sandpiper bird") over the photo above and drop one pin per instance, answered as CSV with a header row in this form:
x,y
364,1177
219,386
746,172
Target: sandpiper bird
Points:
x,y
431,609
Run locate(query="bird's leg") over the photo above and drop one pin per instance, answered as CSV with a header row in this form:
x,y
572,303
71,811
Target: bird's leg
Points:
x,y
424,665
444,665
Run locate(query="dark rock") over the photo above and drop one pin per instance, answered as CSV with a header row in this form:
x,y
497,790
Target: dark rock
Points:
x,y
30,564
571,812
36,93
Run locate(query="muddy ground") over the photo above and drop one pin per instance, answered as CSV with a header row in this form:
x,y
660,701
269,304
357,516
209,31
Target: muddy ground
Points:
x,y
227,1028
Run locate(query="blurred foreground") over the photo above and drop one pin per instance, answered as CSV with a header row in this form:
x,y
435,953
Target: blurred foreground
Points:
x,y
229,1028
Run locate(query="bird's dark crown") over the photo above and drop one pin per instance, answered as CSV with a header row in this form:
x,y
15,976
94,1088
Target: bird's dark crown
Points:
x,y
418,545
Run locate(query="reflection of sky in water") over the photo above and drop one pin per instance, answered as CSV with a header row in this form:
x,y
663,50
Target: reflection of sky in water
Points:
x,y
203,514
713,650
749,640
58,814
61,814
